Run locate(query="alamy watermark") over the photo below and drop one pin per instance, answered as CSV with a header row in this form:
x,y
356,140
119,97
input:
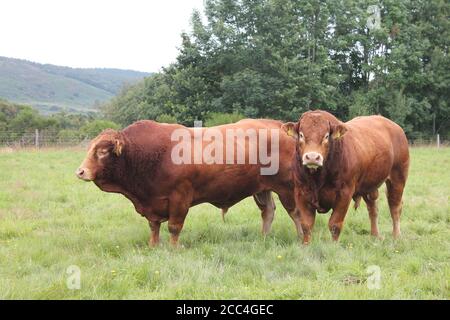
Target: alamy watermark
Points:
x,y
73,281
227,146
374,19
374,278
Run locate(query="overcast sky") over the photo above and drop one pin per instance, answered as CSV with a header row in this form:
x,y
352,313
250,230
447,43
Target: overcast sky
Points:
x,y
128,34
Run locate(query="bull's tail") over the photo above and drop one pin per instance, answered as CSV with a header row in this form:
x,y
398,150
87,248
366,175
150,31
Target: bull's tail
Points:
x,y
224,212
357,200
266,204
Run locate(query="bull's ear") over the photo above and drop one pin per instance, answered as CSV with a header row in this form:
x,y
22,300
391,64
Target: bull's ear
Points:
x,y
118,146
338,131
291,129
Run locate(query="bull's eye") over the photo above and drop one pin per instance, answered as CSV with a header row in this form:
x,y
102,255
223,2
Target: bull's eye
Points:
x,y
326,137
301,136
101,153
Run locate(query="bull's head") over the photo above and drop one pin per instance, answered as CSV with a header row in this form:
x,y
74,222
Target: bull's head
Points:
x,y
315,132
103,154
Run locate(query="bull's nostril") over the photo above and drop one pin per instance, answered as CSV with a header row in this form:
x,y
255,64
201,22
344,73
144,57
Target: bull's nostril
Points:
x,y
318,158
80,172
307,157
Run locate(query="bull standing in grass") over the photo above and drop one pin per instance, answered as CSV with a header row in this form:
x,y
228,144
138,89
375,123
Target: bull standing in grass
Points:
x,y
137,162
335,162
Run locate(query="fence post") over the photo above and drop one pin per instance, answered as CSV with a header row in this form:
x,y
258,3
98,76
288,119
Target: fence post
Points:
x,y
438,140
36,138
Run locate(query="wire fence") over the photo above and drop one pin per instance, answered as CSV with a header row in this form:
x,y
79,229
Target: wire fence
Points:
x,y
40,139
35,138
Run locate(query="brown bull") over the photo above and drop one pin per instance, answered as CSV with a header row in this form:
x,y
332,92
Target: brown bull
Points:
x,y
138,162
335,162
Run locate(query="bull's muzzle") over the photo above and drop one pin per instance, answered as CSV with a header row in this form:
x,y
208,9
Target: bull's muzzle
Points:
x,y
83,174
312,160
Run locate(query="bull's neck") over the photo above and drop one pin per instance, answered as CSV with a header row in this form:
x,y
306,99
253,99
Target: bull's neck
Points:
x,y
137,169
313,181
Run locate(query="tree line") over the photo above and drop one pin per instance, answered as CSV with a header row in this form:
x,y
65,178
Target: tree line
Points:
x,y
17,120
279,58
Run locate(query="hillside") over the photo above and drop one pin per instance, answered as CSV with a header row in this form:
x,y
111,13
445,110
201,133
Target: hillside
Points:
x,y
51,88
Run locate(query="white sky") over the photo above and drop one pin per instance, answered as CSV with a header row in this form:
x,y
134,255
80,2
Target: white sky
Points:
x,y
128,34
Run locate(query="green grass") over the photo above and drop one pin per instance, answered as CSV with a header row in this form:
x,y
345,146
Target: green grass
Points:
x,y
49,221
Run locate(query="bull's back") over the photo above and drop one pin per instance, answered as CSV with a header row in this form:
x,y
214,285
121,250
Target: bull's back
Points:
x,y
222,184
225,184
380,133
380,145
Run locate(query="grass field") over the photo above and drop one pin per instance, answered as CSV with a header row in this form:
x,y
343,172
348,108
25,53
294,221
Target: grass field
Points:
x,y
49,221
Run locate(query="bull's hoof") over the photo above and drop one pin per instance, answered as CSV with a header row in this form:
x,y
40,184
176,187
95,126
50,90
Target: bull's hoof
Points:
x,y
152,245
396,235
377,236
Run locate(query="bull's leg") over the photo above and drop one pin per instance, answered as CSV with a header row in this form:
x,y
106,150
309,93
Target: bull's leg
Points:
x,y
179,204
307,218
371,202
175,227
336,222
154,238
295,216
177,215
288,202
395,186
267,216
265,202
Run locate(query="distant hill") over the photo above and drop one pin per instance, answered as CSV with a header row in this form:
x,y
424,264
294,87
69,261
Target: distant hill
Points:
x,y
51,88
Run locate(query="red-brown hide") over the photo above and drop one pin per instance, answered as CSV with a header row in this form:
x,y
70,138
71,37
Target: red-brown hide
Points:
x,y
136,162
335,162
